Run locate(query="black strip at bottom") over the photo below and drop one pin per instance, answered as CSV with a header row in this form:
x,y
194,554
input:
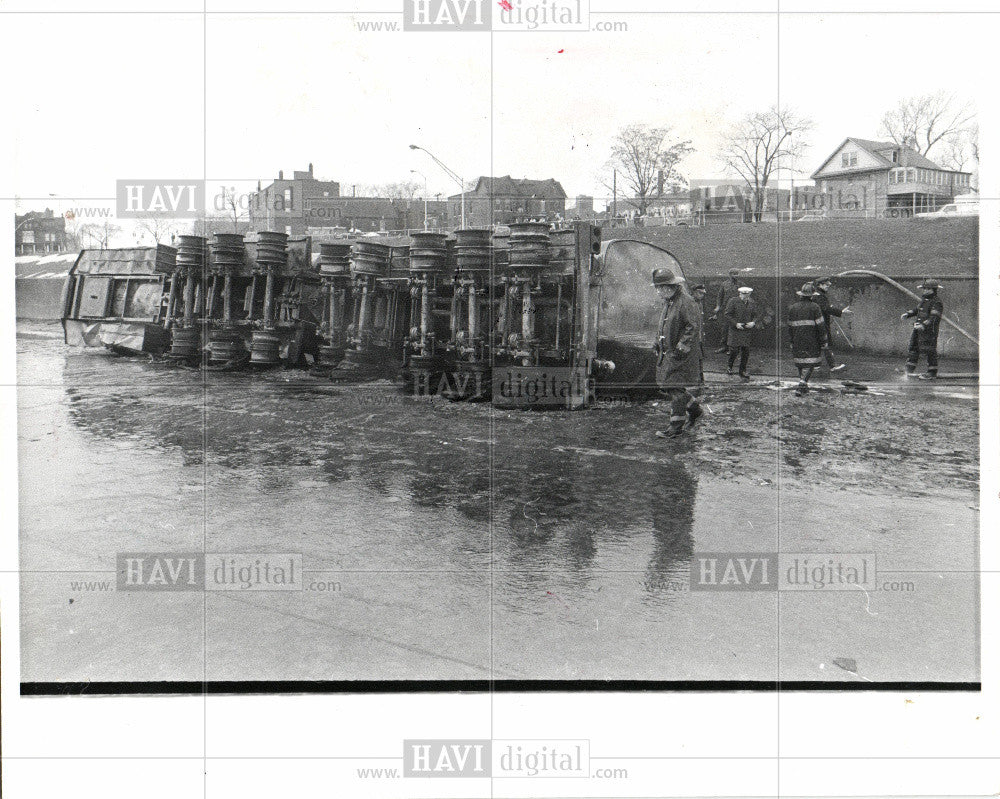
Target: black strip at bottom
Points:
x,y
469,686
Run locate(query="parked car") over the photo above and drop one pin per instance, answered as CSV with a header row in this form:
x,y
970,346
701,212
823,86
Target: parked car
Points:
x,y
952,209
964,205
812,216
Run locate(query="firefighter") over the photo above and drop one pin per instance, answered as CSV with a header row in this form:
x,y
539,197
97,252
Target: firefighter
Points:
x,y
678,352
741,312
923,339
729,291
829,310
807,333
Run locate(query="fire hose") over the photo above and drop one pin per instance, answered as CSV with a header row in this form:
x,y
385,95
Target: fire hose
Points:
x,y
906,291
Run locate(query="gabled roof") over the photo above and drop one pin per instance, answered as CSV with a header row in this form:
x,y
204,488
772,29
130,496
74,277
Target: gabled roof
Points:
x,y
518,187
907,156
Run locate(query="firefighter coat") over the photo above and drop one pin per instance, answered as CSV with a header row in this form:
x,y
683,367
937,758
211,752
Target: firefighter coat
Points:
x,y
740,312
829,310
928,315
807,331
678,352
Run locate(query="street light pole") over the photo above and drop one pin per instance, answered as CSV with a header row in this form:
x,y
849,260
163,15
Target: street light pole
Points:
x,y
415,172
449,172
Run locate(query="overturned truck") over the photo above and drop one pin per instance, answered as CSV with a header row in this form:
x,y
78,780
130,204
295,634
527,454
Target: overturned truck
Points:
x,y
526,316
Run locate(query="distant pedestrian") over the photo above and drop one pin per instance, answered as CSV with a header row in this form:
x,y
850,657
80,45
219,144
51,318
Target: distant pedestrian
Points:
x,y
923,339
807,332
829,310
742,315
678,352
728,292
699,292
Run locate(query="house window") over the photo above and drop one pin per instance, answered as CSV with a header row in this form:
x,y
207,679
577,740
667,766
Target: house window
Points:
x,y
849,159
288,199
895,156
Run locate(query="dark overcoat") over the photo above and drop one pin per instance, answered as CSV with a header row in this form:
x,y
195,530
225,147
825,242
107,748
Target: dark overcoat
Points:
x,y
822,299
741,312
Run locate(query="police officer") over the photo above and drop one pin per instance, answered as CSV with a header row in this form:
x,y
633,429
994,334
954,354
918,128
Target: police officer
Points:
x,y
923,339
728,292
678,352
807,333
741,312
829,310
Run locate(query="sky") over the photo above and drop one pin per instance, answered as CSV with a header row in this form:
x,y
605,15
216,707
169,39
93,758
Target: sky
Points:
x,y
242,96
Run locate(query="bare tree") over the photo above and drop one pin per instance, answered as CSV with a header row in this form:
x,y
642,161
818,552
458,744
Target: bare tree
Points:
x,y
645,159
98,235
73,236
160,229
219,223
961,151
231,203
927,121
759,144
403,190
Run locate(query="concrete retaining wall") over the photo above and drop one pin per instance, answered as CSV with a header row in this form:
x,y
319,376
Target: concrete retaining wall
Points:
x,y
895,247
875,326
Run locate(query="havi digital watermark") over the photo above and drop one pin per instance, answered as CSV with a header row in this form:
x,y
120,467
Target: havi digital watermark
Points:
x,y
507,15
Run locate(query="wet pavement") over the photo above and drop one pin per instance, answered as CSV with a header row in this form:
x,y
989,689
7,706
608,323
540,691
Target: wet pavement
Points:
x,y
456,541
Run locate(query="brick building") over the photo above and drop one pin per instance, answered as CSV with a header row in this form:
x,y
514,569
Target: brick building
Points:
x,y
732,202
371,214
283,205
39,231
302,204
500,201
583,208
880,179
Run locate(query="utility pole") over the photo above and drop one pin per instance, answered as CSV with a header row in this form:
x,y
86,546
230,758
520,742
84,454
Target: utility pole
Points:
x,y
614,190
451,173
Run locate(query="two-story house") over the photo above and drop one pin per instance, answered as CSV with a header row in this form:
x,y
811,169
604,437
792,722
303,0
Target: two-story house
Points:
x,y
500,201
873,178
39,231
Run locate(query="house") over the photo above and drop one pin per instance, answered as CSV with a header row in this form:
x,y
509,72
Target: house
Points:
x,y
282,205
885,179
669,205
500,201
39,231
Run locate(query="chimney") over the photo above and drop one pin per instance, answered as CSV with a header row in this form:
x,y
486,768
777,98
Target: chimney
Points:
x,y
659,182
310,169
281,175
